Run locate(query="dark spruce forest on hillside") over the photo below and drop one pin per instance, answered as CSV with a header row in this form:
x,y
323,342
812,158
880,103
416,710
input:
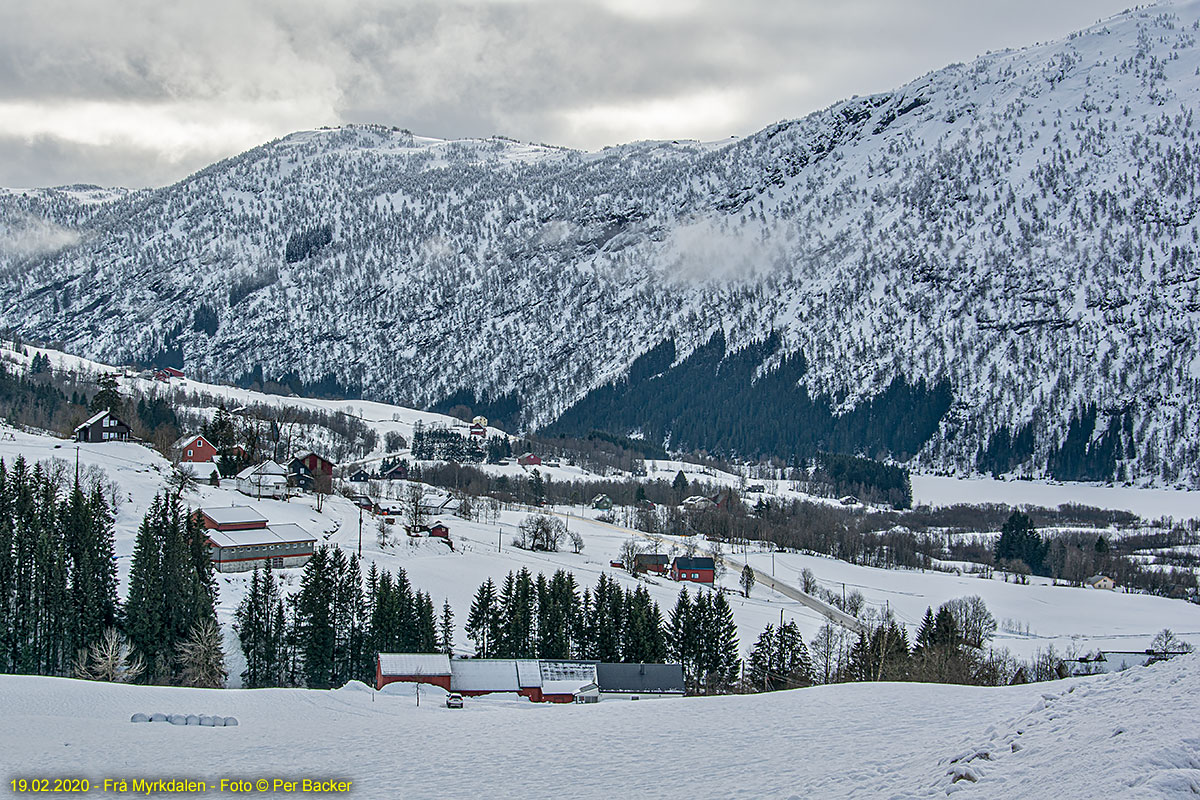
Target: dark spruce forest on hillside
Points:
x,y
715,400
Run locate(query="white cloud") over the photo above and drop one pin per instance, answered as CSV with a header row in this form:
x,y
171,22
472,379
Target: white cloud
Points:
x,y
129,89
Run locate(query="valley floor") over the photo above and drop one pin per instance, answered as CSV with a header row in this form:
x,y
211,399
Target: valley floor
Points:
x,y
1129,735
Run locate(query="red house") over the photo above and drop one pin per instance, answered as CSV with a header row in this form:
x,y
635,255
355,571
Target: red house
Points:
x,y
317,465
311,472
478,431
440,530
194,449
529,460
698,569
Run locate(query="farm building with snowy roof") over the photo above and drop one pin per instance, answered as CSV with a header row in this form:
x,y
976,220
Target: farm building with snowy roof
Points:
x,y
239,539
541,680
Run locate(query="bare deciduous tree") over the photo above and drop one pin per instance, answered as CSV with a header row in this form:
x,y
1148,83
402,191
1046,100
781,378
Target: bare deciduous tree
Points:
x,y
629,554
202,657
110,660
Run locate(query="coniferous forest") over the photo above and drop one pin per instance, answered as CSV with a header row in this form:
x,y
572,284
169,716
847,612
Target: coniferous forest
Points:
x,y
59,611
751,403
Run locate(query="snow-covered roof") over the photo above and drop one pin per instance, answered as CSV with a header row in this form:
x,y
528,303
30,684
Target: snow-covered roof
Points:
x,y
93,420
263,469
183,441
484,675
234,515
565,686
287,533
414,664
529,673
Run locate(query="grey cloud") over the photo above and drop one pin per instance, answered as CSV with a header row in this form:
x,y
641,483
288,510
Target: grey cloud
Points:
x,y
520,68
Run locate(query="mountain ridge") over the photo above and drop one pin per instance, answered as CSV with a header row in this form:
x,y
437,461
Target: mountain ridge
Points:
x,y
1021,228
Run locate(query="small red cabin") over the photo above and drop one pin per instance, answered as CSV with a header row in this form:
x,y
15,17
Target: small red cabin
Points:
x,y
529,460
440,529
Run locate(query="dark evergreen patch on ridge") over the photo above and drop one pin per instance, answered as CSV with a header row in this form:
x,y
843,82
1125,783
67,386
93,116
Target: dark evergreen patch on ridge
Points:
x,y
713,401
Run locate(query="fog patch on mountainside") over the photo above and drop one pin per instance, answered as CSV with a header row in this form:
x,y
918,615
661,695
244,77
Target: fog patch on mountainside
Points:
x,y
708,249
32,236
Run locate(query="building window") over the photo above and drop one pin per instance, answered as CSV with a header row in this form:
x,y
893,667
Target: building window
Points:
x,y
277,562
189,453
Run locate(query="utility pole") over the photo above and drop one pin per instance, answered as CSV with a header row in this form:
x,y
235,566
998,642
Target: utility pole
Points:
x,y
360,530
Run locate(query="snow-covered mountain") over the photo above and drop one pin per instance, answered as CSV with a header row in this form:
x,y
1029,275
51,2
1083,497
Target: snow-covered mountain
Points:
x,y
1020,231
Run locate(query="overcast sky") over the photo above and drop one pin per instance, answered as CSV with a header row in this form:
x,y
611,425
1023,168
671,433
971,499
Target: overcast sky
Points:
x,y
143,92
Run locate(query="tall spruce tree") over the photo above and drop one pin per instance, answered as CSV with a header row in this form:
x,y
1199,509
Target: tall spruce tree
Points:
x,y
483,621
314,621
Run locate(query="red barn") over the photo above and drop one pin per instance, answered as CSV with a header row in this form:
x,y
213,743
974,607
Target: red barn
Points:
x,y
431,668
440,529
194,449
529,460
699,569
650,562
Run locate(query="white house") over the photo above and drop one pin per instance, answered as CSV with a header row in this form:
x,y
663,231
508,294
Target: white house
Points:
x,y
1100,582
267,479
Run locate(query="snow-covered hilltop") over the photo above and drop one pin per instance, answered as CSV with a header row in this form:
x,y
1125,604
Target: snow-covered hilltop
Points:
x,y
1021,229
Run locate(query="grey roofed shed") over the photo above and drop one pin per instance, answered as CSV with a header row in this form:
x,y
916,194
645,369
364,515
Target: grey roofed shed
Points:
x,y
640,678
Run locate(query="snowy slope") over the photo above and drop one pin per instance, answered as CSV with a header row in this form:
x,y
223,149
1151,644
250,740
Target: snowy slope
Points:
x,y
1023,226
1129,735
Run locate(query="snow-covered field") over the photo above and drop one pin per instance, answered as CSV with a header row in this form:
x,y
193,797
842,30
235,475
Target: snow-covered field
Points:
x,y
1069,618
1128,735
1148,503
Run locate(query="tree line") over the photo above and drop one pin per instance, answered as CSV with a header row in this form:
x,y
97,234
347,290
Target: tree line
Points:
x,y
59,610
329,631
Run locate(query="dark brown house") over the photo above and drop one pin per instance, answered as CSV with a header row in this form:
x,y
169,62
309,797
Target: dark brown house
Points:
x,y
103,427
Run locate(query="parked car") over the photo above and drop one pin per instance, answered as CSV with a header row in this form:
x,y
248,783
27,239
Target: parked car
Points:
x,y
454,701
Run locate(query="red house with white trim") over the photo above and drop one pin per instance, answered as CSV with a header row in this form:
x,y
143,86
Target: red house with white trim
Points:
x,y
529,460
697,569
194,449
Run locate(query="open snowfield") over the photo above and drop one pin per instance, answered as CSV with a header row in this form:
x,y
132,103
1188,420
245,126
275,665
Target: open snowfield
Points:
x,y
1129,735
1069,618
1148,503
